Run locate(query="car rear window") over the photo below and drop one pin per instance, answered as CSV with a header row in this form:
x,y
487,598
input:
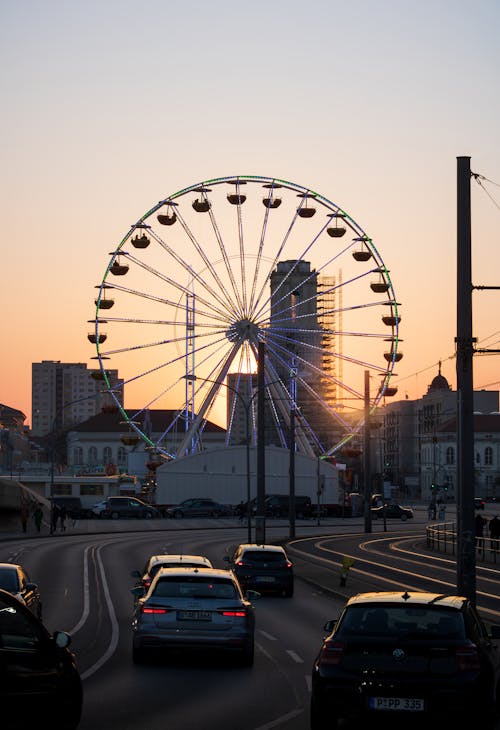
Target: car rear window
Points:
x,y
421,621
200,587
262,556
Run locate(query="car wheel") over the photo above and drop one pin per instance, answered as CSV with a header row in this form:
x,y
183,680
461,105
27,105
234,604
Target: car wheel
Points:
x,y
288,592
247,656
404,517
322,718
149,515
178,515
114,515
138,656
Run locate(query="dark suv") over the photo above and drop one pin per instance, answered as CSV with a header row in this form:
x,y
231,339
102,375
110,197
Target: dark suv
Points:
x,y
406,655
264,568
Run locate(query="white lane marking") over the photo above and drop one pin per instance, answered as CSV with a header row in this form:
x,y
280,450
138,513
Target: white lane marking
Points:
x,y
267,636
114,625
86,599
308,682
296,658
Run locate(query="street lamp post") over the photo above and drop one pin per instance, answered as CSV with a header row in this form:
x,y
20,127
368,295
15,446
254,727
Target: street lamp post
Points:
x,y
246,405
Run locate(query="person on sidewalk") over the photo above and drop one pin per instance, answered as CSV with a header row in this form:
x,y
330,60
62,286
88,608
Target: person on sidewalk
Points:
x,y
494,528
37,516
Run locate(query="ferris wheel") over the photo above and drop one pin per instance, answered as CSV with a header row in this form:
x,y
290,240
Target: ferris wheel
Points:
x,y
228,268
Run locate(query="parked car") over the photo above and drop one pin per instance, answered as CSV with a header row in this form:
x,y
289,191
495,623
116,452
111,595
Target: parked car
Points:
x,y
155,562
478,503
40,685
392,511
97,509
73,506
265,568
15,579
199,507
406,655
128,507
193,609
278,506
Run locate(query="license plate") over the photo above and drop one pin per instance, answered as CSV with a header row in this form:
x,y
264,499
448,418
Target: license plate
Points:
x,y
265,578
408,704
194,615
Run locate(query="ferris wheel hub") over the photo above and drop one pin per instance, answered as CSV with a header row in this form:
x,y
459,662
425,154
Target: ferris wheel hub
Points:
x,y
243,329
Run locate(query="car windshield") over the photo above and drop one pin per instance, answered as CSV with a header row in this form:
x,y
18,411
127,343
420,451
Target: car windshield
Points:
x,y
199,587
8,580
423,621
263,556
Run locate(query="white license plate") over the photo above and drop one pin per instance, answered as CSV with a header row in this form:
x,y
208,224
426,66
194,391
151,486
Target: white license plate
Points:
x,y
408,704
265,578
194,615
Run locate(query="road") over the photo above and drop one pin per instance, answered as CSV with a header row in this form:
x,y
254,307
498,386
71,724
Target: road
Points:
x,y
85,583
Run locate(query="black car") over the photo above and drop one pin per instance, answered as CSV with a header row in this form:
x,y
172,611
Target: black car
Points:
x,y
128,507
264,568
278,506
40,685
417,656
392,511
15,579
199,507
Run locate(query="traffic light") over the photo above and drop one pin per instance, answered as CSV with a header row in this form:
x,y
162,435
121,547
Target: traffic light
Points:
x,y
433,487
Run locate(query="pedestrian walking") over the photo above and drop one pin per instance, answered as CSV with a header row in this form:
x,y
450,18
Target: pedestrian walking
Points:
x,y
54,517
479,524
240,509
431,511
442,511
62,517
494,528
37,516
24,517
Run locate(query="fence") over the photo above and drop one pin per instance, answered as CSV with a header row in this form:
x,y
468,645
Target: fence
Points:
x,y
443,538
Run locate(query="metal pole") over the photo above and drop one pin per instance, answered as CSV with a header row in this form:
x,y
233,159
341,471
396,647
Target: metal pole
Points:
x,y
260,519
292,471
466,557
366,457
249,510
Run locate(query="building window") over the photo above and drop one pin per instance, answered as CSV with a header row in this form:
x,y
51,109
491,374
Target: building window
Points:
x,y
107,455
92,456
78,455
450,455
488,456
122,455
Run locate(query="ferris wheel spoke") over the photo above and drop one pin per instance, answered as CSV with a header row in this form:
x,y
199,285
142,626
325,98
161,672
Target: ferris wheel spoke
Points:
x,y
268,208
219,295
175,284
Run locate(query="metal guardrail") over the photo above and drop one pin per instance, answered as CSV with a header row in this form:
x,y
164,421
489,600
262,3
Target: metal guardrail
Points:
x,y
442,537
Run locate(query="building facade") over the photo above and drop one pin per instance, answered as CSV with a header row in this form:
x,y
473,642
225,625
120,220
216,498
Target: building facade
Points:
x,y
64,394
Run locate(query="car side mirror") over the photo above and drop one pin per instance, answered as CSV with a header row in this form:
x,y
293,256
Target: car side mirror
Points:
x,y
252,595
137,591
61,639
31,587
226,558
330,625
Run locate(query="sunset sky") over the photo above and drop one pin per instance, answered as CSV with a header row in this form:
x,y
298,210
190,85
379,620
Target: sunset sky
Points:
x,y
110,106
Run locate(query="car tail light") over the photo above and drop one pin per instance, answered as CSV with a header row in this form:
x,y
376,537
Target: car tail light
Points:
x,y
331,652
242,564
289,564
149,609
467,657
146,583
238,612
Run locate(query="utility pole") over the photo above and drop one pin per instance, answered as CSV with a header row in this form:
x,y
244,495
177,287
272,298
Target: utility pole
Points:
x,y
260,518
366,457
466,557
